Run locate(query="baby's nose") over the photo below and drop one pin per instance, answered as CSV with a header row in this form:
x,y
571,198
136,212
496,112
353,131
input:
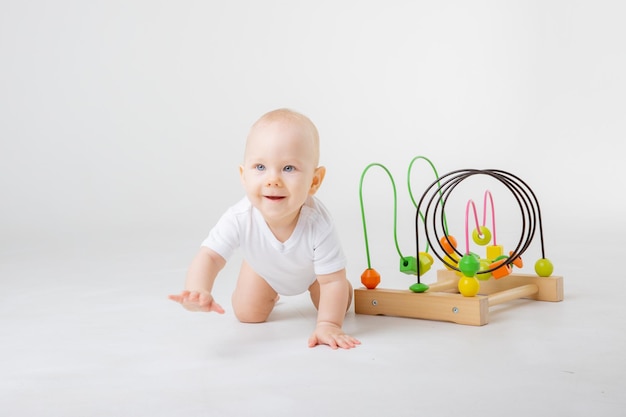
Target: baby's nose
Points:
x,y
274,180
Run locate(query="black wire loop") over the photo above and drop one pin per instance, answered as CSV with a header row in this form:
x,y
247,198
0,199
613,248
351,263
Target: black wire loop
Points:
x,y
436,195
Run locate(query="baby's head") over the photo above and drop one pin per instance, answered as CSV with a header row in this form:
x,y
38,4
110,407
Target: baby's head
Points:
x,y
290,122
280,168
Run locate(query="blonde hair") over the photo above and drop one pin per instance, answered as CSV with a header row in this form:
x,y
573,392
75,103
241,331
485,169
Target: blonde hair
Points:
x,y
285,114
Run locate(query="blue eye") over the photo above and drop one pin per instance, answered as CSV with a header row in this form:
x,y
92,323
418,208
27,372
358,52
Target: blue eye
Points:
x,y
289,168
259,167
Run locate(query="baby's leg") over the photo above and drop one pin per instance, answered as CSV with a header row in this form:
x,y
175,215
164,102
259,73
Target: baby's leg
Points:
x,y
314,292
253,298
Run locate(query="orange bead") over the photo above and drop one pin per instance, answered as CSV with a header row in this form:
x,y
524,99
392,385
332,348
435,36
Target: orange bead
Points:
x,y
518,261
448,243
502,271
370,278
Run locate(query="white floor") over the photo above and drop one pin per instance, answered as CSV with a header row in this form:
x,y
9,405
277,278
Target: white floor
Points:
x,y
89,332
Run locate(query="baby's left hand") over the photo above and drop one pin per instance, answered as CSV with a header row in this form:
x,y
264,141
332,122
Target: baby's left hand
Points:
x,y
333,336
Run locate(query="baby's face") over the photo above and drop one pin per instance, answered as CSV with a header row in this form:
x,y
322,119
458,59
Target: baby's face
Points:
x,y
280,169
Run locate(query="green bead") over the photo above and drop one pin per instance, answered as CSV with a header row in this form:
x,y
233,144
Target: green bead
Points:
x,y
543,267
418,287
408,265
469,265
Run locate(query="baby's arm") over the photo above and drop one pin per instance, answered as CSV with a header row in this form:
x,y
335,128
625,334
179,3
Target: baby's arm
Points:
x,y
333,302
199,283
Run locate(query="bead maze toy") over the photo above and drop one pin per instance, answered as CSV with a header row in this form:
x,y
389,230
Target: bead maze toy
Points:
x,y
469,284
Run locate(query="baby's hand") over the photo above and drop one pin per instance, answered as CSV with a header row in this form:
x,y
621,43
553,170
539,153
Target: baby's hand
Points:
x,y
197,301
332,335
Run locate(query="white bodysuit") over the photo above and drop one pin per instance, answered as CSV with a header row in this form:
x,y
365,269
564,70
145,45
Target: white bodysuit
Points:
x,y
289,267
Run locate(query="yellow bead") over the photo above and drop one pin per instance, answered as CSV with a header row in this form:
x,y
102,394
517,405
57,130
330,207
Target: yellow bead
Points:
x,y
484,238
484,265
468,286
425,262
452,259
494,251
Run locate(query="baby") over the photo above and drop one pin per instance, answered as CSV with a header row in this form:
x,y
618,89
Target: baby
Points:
x,y
286,235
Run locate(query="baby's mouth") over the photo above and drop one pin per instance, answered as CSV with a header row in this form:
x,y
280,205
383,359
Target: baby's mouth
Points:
x,y
274,197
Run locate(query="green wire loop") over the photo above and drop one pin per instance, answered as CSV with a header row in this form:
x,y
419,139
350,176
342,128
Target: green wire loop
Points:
x,y
395,210
408,181
395,203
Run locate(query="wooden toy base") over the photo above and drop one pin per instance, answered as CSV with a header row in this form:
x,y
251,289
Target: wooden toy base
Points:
x,y
443,302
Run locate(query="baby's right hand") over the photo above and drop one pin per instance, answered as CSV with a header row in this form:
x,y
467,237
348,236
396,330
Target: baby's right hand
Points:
x,y
197,301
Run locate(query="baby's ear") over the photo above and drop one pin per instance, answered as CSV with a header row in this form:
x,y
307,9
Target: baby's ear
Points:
x,y
241,174
318,178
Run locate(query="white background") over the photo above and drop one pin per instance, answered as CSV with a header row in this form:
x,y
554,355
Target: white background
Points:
x,y
130,116
122,125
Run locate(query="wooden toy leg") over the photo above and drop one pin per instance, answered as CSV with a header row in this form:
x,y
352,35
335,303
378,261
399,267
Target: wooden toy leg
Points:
x,y
442,301
513,294
429,305
548,288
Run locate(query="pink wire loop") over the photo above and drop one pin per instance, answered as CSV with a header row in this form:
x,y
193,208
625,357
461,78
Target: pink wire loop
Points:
x,y
470,203
493,215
